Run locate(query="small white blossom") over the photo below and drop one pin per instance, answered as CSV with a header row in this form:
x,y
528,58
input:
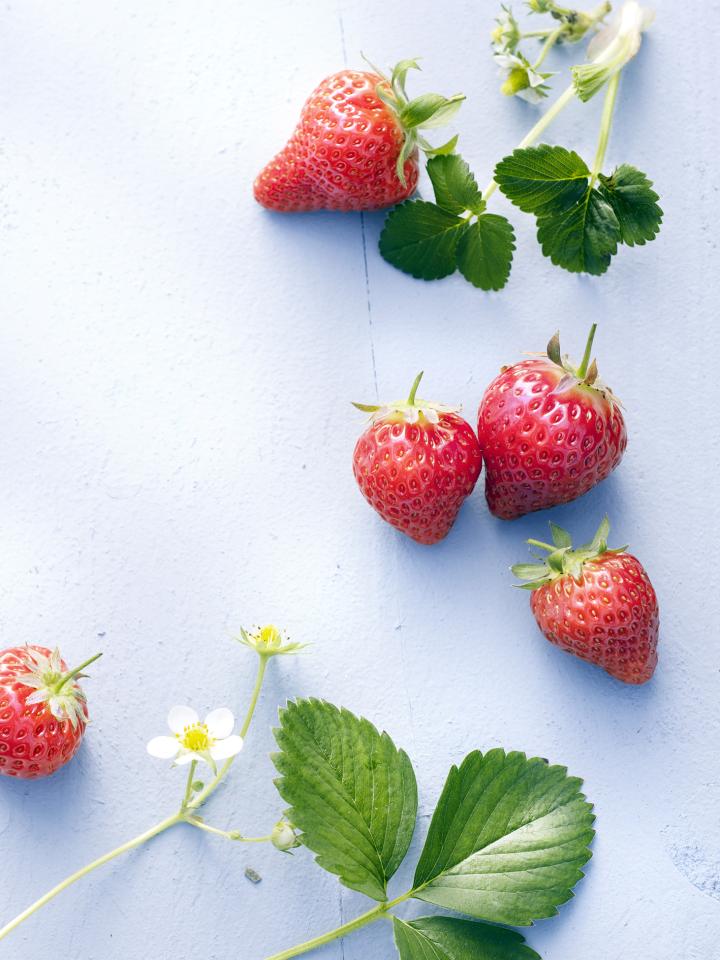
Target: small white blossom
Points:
x,y
211,740
521,80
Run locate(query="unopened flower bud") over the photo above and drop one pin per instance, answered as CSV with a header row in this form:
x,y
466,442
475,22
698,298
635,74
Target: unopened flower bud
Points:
x,y
283,837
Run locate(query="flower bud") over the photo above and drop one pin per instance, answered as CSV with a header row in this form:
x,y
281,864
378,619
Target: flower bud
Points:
x,y
283,837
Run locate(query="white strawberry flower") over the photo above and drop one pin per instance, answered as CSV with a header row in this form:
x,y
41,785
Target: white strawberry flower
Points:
x,y
211,740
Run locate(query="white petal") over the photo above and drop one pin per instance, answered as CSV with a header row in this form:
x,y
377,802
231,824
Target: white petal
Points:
x,y
226,748
220,723
181,717
187,757
164,748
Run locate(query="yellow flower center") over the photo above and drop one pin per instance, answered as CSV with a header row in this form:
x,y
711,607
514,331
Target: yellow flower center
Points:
x,y
196,738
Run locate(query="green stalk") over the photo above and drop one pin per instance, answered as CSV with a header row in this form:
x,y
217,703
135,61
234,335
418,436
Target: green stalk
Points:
x,y
543,123
414,388
547,47
583,368
226,834
605,125
362,921
179,817
71,674
79,874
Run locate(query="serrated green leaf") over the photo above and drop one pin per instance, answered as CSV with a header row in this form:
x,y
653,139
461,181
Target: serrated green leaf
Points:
x,y
454,185
421,239
543,179
507,840
630,194
351,792
560,537
485,252
447,938
582,239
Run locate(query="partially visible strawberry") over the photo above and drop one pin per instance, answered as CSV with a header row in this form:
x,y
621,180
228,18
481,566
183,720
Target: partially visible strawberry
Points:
x,y
43,711
415,464
549,431
595,603
355,147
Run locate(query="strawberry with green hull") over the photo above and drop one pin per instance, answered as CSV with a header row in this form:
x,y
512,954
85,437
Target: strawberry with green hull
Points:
x,y
43,711
415,464
549,432
595,603
356,144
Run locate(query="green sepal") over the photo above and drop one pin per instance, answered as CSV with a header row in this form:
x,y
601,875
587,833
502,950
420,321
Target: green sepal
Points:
x,y
430,110
563,560
441,151
399,76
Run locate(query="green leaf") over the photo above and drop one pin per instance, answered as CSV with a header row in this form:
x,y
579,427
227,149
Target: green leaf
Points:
x,y
543,179
582,239
351,792
447,938
485,252
430,110
507,840
630,194
454,185
421,239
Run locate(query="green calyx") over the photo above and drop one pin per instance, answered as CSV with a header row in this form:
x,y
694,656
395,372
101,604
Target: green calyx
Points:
x,y
424,112
55,686
412,410
586,372
562,560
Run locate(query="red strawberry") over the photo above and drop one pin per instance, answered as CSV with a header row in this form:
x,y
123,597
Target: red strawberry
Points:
x,y
43,711
596,603
415,464
548,431
355,147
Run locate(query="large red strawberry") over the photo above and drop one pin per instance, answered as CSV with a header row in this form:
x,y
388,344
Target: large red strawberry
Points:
x,y
415,464
355,147
549,431
596,603
43,711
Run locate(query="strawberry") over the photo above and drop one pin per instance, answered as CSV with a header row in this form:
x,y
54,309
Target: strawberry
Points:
x,y
415,464
549,431
596,603
355,147
43,711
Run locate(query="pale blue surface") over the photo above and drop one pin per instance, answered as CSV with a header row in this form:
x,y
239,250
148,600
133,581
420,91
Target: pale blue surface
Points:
x,y
176,371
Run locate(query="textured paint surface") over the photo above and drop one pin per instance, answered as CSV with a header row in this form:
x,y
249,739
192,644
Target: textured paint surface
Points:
x,y
176,461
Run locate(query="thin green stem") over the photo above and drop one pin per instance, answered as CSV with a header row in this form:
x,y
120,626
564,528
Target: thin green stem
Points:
x,y
547,47
543,546
176,818
71,674
362,921
68,881
605,125
414,388
188,786
543,123
226,834
585,363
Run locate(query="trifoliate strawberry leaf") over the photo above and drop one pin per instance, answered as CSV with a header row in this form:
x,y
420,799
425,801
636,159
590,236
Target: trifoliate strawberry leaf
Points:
x,y
543,179
351,792
630,194
447,938
421,239
507,841
582,238
454,185
485,252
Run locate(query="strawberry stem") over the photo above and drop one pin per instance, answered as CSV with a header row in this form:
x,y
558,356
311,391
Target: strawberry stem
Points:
x,y
543,546
414,389
71,674
583,368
